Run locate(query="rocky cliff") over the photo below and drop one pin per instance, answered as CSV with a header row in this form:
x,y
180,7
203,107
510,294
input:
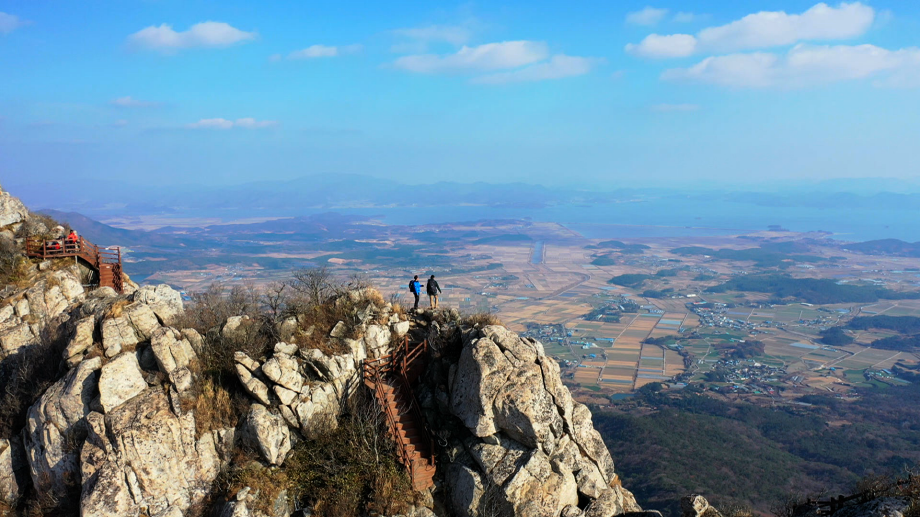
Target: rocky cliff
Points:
x,y
115,408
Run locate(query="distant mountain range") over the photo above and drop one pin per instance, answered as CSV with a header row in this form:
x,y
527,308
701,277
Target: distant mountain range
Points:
x,y
353,191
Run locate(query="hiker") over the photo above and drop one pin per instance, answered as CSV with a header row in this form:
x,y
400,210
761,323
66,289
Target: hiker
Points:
x,y
433,289
71,241
416,287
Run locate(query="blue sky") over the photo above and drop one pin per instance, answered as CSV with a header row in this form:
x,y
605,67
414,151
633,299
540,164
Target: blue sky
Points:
x,y
559,93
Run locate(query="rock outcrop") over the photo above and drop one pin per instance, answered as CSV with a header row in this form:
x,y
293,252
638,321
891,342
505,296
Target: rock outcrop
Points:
x,y
12,211
521,445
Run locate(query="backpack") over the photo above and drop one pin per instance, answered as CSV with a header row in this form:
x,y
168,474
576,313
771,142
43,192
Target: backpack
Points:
x,y
412,287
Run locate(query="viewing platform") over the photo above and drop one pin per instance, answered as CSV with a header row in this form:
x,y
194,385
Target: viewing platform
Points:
x,y
104,262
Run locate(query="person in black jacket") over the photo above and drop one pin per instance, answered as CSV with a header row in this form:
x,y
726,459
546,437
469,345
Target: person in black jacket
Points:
x,y
433,290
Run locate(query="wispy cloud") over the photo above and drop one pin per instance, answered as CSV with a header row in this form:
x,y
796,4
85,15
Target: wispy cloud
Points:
x,y
131,102
453,34
685,17
9,23
763,30
319,51
222,123
491,56
668,108
648,16
206,34
558,67
807,65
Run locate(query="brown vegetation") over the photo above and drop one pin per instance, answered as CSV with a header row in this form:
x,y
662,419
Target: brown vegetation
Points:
x,y
348,471
481,319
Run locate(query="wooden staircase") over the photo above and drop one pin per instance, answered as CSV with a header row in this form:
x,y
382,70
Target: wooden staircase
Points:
x,y
391,378
105,262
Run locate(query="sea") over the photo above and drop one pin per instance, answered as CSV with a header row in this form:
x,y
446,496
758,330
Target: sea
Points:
x,y
662,218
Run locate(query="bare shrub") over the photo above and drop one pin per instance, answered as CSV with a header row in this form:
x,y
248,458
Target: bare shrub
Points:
x,y
348,471
482,319
12,262
24,376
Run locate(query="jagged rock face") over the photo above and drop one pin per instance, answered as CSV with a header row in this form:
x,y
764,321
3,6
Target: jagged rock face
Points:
x,y
163,300
12,211
143,459
13,470
532,449
268,433
307,385
101,438
26,313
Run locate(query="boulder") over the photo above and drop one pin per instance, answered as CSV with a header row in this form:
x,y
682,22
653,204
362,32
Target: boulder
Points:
x,y
466,489
54,423
235,328
118,335
120,381
284,370
16,337
537,490
481,373
525,411
142,319
254,386
400,328
697,506
285,348
165,301
14,471
268,433
12,211
194,339
377,341
500,460
82,337
242,358
142,459
171,350
339,330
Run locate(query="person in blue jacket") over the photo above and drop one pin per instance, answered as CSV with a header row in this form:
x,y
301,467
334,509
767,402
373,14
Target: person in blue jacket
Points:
x,y
416,288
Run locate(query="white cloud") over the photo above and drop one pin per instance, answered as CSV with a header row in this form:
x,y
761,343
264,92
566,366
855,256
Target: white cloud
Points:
x,y
807,65
274,58
9,23
222,123
764,29
491,56
658,46
130,102
647,16
684,17
453,34
558,67
317,51
205,34
668,108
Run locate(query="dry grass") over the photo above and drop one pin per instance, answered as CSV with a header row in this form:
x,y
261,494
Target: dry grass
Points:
x,y
52,282
373,296
482,319
116,309
213,407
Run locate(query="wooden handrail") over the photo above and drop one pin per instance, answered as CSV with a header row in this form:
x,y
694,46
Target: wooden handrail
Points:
x,y
374,371
96,257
